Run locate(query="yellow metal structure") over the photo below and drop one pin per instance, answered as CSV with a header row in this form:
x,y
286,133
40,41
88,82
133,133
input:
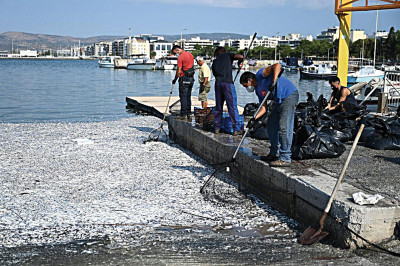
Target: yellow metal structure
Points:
x,y
364,5
343,9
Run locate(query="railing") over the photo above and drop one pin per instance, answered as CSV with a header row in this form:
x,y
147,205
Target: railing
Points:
x,y
391,91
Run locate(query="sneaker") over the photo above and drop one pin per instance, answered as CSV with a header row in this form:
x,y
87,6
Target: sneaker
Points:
x,y
269,158
279,163
189,118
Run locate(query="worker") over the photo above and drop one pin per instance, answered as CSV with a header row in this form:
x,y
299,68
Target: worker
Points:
x,y
281,121
225,89
185,73
342,98
204,80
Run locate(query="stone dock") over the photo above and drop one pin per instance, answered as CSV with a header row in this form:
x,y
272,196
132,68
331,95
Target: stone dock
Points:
x,y
303,189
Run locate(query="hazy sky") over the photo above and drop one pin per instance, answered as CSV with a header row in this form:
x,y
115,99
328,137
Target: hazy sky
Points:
x,y
85,18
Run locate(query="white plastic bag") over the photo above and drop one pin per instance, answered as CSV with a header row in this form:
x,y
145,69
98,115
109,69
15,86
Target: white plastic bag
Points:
x,y
363,199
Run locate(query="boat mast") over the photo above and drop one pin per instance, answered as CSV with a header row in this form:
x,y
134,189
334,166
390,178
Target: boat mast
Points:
x,y
376,30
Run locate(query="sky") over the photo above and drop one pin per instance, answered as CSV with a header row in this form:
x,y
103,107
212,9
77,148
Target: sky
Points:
x,y
87,18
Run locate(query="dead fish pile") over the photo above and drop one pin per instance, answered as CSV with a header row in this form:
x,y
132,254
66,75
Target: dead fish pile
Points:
x,y
62,182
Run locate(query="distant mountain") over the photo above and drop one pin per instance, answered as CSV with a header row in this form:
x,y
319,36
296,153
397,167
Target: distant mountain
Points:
x,y
22,40
210,36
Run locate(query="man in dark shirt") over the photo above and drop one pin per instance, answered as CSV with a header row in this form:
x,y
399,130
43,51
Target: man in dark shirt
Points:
x,y
185,73
342,98
224,88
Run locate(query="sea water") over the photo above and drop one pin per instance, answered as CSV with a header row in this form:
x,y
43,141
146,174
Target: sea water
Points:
x,y
34,90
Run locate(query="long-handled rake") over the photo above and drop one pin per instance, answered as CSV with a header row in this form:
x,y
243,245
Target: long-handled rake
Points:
x,y
233,160
155,133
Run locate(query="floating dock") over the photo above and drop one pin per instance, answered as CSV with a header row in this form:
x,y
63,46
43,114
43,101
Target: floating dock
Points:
x,y
303,189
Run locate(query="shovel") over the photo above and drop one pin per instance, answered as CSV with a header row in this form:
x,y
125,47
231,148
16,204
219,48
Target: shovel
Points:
x,y
314,232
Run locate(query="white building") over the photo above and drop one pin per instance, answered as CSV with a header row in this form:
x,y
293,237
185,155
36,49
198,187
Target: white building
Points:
x,y
28,53
331,34
63,52
223,43
161,48
118,47
381,34
188,45
133,46
149,37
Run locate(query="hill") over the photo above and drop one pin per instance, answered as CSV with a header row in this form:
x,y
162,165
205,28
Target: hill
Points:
x,y
22,40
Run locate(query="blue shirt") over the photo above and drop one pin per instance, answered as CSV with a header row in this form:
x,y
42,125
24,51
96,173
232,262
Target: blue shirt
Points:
x,y
284,87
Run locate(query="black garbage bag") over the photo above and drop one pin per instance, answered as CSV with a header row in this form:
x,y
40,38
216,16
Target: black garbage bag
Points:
x,y
259,133
309,143
386,135
343,136
250,109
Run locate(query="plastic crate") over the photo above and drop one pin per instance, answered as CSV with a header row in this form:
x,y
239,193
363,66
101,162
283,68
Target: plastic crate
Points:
x,y
226,124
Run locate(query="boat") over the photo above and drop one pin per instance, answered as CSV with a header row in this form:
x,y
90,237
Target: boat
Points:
x,y
121,63
365,74
107,62
141,64
322,71
367,93
291,63
167,63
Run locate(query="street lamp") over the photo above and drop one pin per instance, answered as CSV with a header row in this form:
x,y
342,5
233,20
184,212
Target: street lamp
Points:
x,y
276,35
181,37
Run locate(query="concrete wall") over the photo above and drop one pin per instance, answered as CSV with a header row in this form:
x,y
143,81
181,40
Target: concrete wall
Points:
x,y
300,192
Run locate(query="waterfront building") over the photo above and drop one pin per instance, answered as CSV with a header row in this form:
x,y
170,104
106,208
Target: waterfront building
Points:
x,y
134,46
161,48
380,34
149,37
63,53
228,42
331,34
188,45
118,47
28,53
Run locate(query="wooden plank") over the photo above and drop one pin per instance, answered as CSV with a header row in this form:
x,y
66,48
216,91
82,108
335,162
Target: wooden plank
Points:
x,y
156,105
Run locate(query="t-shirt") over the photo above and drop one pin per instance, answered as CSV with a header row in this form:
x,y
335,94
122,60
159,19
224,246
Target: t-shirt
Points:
x,y
204,73
186,61
222,68
337,94
284,87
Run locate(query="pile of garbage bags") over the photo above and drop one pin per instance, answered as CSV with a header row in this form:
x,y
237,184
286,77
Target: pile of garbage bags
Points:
x,y
382,133
319,134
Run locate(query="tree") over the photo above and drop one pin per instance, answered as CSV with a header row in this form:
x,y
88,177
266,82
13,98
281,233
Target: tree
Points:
x,y
153,54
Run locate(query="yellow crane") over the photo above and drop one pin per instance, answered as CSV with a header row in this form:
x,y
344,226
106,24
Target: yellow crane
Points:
x,y
343,9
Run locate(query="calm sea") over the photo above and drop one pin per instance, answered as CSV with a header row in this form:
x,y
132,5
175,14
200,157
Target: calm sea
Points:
x,y
79,91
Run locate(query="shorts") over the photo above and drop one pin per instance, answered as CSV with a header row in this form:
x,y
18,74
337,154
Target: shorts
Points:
x,y
203,92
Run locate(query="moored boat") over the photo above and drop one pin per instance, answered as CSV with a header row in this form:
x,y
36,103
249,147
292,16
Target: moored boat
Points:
x,y
167,63
107,62
365,74
322,71
141,64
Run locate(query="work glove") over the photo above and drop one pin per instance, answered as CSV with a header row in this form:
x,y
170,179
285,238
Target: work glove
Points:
x,y
271,88
174,81
251,123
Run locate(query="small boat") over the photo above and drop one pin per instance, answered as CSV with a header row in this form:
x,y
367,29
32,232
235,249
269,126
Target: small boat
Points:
x,y
367,93
291,63
322,71
107,62
167,63
365,74
121,63
141,64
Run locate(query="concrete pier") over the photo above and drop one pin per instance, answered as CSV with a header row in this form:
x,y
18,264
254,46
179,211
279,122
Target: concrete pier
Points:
x,y
303,189
300,191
